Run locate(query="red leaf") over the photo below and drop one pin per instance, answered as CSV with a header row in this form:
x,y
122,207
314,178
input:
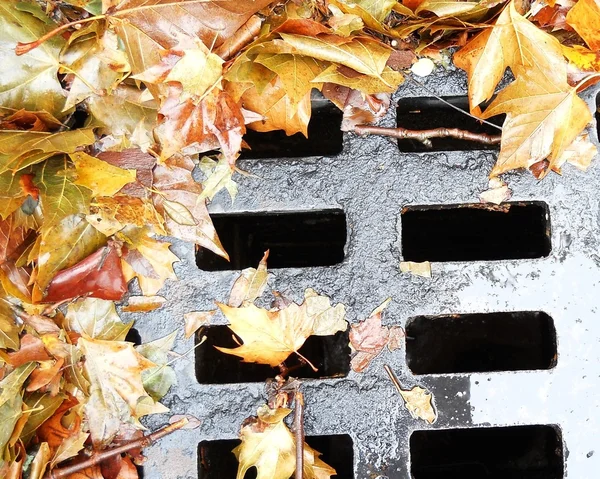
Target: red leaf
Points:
x,y
99,276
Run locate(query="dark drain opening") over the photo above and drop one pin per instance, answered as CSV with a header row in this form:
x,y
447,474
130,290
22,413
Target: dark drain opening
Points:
x,y
216,461
428,112
298,239
133,336
521,452
475,232
324,136
329,354
481,342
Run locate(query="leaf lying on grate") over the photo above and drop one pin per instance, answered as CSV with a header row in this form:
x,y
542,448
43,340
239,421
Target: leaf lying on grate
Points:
x,y
269,445
368,338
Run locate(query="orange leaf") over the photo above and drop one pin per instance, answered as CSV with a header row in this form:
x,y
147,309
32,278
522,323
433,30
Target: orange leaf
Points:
x,y
584,17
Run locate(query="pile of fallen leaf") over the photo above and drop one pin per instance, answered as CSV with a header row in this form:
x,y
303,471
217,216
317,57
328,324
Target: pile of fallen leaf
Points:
x,y
121,119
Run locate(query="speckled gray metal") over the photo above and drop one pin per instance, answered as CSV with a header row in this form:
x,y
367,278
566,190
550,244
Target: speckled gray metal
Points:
x,y
371,180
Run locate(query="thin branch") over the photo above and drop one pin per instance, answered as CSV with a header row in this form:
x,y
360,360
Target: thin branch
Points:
x,y
246,34
424,136
299,434
98,458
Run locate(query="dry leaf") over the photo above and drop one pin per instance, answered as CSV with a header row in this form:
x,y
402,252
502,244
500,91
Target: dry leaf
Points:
x,y
497,193
420,404
250,284
418,269
195,320
143,303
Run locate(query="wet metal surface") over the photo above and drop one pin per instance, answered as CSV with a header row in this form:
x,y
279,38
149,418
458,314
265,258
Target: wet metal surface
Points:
x,y
371,180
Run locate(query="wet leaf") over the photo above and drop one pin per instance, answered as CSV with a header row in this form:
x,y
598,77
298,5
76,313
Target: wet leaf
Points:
x,y
99,276
369,337
114,370
158,380
250,284
29,81
96,319
420,404
218,176
497,193
102,178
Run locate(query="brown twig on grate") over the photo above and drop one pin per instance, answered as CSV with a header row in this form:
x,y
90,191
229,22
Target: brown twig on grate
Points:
x,y
299,434
424,136
98,458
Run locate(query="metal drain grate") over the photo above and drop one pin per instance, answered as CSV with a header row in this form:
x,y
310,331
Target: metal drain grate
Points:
x,y
555,399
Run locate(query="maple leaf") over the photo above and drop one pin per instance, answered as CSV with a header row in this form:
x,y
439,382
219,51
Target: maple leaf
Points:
x,y
268,445
98,276
513,42
369,337
93,58
218,176
102,178
59,195
96,319
269,337
114,370
542,120
175,186
194,320
250,284
158,380
9,331
584,17
29,81
155,257
62,246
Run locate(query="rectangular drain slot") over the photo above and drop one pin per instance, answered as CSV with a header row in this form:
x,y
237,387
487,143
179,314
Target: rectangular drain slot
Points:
x,y
325,138
476,232
216,461
468,343
295,240
329,354
520,452
426,113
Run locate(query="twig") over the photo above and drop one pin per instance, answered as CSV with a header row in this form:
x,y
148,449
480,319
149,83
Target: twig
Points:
x,y
393,378
246,34
299,434
98,458
424,136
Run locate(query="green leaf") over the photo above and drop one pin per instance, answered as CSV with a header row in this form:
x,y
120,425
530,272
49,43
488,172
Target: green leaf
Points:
x,y
157,381
20,149
11,401
9,331
29,81
97,319
59,195
44,406
64,245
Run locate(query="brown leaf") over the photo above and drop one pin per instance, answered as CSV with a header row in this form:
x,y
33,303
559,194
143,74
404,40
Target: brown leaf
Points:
x,y
98,276
195,320
143,303
32,349
419,403
54,430
369,337
133,159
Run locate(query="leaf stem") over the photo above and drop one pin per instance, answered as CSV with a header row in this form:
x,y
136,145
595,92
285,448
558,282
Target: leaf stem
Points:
x,y
424,136
97,458
299,433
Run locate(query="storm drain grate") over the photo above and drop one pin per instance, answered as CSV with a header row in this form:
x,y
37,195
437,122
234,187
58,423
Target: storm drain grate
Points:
x,y
504,335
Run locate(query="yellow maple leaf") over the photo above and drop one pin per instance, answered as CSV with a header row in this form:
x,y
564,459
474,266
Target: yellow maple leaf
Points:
x,y
513,42
542,119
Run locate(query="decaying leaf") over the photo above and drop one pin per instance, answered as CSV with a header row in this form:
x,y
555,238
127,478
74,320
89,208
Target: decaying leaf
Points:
x,y
144,303
368,338
250,285
498,192
420,404
195,320
418,269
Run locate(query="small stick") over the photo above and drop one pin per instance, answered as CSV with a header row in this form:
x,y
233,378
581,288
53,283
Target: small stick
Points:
x,y
424,136
299,434
97,458
393,378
